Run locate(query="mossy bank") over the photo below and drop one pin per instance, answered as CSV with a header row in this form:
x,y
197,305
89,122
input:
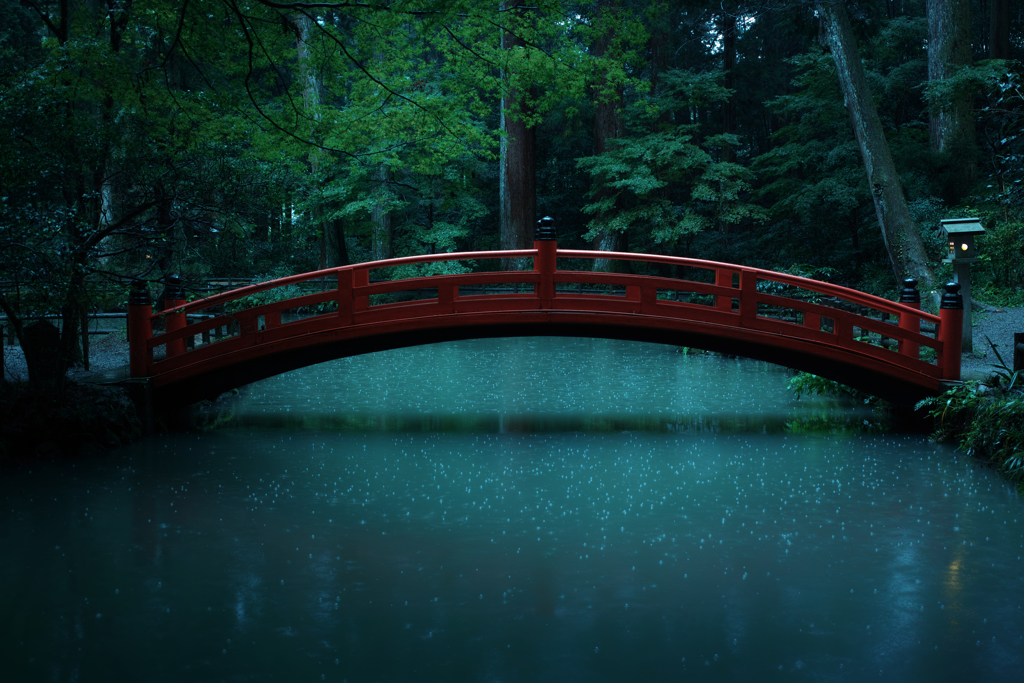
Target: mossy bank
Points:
x,y
986,420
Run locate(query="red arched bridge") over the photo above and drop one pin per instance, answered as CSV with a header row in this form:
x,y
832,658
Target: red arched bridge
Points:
x,y
892,350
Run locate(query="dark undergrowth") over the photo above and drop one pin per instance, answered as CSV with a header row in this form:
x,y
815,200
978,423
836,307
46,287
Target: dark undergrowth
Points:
x,y
85,417
985,419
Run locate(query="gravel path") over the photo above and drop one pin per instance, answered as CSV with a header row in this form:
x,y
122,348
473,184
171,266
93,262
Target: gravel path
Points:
x,y
999,326
108,354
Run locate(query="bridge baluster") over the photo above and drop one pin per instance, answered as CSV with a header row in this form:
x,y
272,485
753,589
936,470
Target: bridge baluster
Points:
x,y
843,329
748,298
910,297
360,278
446,296
345,301
723,278
951,319
140,329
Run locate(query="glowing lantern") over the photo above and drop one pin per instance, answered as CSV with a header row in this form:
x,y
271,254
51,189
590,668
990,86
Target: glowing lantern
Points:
x,y
960,234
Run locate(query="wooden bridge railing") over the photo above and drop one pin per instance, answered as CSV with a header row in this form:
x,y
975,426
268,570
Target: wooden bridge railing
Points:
x,y
728,296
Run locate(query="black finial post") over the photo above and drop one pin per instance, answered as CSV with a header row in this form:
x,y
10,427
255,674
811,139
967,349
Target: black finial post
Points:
x,y
951,298
139,294
175,291
909,293
545,229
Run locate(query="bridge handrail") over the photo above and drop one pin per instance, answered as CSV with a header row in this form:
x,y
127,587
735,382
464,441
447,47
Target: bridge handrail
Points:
x,y
818,286
248,290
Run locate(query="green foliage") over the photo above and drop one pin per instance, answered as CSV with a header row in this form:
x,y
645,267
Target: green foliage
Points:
x,y
813,176
1001,268
969,81
834,425
668,185
267,296
806,383
985,419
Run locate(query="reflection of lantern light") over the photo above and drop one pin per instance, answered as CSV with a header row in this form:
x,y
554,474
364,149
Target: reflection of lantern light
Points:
x,y
963,247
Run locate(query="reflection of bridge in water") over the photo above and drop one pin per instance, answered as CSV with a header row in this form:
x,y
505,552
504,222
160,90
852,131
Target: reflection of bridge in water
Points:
x,y
265,329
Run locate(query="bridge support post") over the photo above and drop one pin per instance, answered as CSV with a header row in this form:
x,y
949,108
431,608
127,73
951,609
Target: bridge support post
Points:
x,y
910,297
345,302
546,244
360,278
748,298
723,278
951,318
140,329
174,295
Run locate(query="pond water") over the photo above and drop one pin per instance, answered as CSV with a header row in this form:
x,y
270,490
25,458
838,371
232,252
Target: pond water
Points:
x,y
515,510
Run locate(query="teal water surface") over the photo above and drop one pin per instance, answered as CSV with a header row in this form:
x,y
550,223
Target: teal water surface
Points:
x,y
292,545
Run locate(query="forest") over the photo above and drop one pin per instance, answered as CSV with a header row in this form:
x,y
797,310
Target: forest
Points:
x,y
252,139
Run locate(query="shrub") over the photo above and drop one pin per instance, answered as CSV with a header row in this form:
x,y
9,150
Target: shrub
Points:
x,y
986,419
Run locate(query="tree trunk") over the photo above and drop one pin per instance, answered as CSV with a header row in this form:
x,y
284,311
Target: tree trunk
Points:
x,y
337,251
517,173
381,218
951,127
41,343
311,97
70,350
906,252
727,27
999,29
607,118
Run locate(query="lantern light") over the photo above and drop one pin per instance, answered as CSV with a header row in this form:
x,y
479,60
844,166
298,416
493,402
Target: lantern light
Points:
x,y
961,231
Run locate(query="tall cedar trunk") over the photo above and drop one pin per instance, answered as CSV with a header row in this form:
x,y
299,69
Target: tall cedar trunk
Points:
x,y
727,27
906,252
951,127
607,119
381,219
517,173
337,250
312,89
999,29
106,177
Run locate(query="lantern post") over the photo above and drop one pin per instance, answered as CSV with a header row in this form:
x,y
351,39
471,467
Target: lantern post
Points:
x,y
961,252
